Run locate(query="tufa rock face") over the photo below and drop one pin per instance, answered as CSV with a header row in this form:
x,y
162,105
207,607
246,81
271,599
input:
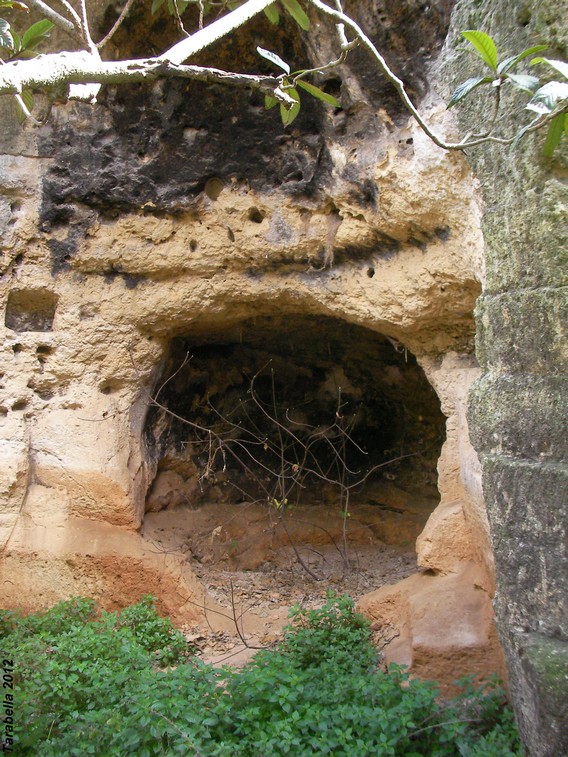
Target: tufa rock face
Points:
x,y
518,408
185,215
162,144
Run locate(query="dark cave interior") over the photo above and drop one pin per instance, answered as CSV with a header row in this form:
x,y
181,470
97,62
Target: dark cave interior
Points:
x,y
295,410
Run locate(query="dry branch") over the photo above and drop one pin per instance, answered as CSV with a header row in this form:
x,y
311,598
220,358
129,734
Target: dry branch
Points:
x,y
81,67
84,72
288,460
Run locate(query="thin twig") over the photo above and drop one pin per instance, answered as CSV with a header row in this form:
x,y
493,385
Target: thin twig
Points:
x,y
327,66
179,22
71,13
108,36
236,621
71,28
402,93
441,725
299,557
184,362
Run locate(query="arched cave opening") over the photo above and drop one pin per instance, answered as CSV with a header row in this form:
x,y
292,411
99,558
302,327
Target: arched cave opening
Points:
x,y
299,443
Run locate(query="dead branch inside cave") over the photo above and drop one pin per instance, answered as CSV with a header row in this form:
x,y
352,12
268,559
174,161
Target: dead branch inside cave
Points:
x,y
247,428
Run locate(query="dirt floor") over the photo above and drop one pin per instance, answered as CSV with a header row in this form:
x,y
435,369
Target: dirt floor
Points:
x,y
256,562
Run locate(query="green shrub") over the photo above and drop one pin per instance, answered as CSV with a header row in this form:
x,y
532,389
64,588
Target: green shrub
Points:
x,y
334,632
153,633
94,687
60,618
157,712
283,709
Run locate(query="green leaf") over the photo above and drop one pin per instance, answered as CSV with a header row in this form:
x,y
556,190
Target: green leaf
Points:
x,y
28,100
559,65
273,58
546,98
484,46
14,4
17,41
509,63
36,34
319,93
289,114
554,134
271,13
270,102
463,89
524,82
6,39
156,5
298,14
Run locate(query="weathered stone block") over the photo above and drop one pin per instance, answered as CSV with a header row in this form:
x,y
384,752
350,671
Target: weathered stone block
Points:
x,y
529,421
540,663
523,332
517,407
534,236
528,513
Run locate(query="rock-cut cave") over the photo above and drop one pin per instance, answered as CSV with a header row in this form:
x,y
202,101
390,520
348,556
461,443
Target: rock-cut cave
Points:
x,y
318,431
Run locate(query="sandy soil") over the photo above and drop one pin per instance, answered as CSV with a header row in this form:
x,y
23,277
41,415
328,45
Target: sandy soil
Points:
x,y
255,563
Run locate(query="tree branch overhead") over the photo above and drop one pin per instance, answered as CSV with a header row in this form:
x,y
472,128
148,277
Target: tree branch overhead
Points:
x,y
79,74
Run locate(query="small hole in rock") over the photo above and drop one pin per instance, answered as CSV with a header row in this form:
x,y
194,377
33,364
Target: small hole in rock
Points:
x,y
333,86
213,188
255,215
370,272
109,386
524,17
44,394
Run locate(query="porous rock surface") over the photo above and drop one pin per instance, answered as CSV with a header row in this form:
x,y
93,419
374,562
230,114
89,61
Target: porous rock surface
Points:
x,y
179,211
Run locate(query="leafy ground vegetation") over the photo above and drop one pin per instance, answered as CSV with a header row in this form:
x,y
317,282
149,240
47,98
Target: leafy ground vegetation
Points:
x,y
127,683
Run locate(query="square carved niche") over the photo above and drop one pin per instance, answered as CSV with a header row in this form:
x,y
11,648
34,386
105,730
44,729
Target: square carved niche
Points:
x,y
30,310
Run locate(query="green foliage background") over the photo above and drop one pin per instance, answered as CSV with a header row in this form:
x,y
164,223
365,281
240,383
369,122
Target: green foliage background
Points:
x,y
128,684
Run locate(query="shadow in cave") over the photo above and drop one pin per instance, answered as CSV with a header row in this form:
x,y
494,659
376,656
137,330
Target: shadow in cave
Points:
x,y
303,442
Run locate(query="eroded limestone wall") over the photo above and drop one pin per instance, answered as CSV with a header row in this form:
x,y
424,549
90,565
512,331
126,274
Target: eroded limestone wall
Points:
x,y
178,211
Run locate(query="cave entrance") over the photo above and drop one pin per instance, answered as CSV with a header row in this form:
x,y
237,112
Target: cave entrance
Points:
x,y
293,443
